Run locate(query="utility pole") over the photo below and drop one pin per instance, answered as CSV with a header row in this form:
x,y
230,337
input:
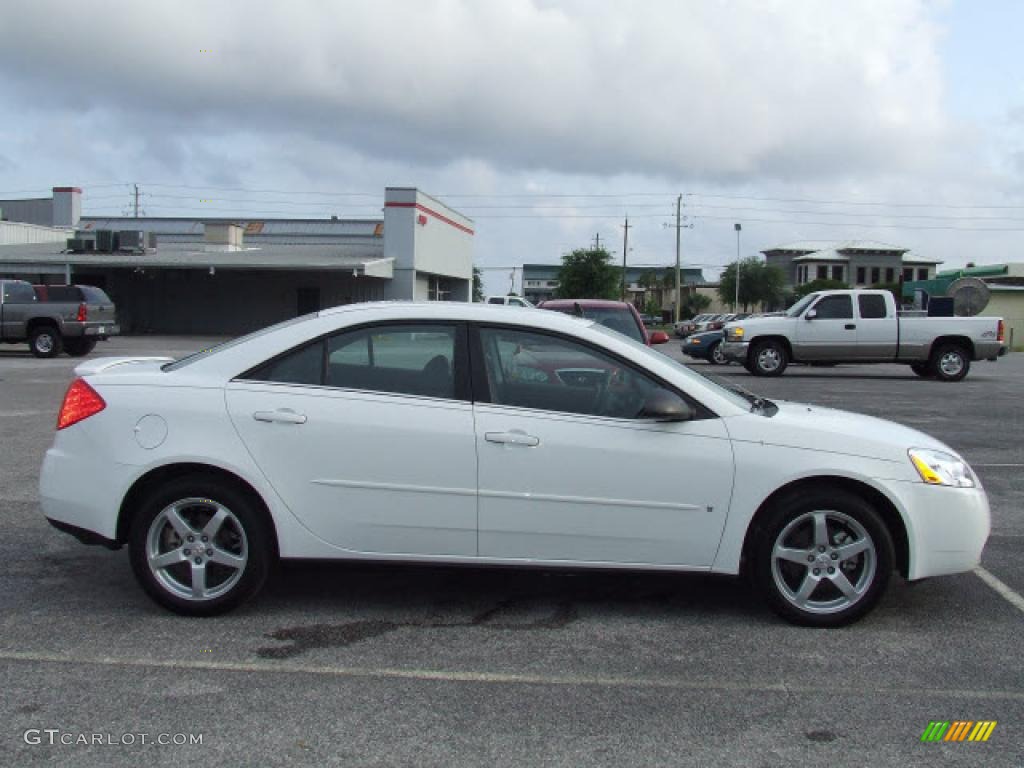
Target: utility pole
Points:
x,y
736,306
625,250
597,241
679,223
136,200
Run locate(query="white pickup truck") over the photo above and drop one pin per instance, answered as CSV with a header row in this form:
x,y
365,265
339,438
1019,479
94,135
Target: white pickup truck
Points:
x,y
863,326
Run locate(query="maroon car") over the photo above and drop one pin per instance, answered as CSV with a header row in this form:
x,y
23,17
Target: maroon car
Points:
x,y
617,315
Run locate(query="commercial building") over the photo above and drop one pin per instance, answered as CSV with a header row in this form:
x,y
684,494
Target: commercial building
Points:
x,y
540,282
858,263
230,275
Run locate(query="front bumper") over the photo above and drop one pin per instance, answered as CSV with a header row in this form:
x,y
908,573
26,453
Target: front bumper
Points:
x,y
947,527
735,351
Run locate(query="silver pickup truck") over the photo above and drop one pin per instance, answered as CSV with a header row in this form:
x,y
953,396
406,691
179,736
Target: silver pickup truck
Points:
x,y
69,318
863,326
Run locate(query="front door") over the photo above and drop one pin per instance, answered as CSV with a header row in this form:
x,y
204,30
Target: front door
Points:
x,y
368,439
568,473
831,334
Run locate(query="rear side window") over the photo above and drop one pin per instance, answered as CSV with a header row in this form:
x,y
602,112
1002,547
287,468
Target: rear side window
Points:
x,y
94,295
495,300
405,360
300,366
19,293
834,308
872,306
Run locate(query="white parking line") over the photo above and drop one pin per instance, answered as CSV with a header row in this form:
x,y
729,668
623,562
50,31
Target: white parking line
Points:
x,y
1012,597
491,678
989,466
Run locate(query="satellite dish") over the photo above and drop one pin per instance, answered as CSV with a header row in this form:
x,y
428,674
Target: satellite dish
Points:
x,y
970,296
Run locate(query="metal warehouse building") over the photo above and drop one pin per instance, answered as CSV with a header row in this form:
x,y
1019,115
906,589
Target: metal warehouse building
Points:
x,y
231,275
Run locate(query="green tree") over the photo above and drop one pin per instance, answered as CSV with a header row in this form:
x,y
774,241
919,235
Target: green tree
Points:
x,y
693,304
587,273
820,284
652,307
478,284
760,283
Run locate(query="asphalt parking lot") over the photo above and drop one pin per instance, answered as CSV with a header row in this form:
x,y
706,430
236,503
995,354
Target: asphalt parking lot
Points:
x,y
344,665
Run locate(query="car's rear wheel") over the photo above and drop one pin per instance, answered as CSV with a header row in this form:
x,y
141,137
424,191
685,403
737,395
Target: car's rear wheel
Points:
x,y
768,358
949,362
45,341
715,356
822,558
200,547
79,347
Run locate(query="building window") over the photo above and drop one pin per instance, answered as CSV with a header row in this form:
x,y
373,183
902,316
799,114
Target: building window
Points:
x,y
890,274
437,289
908,273
862,274
822,272
837,273
876,275
922,273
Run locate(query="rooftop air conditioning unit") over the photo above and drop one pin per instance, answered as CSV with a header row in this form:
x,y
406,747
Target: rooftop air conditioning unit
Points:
x,y
81,244
151,241
131,240
106,240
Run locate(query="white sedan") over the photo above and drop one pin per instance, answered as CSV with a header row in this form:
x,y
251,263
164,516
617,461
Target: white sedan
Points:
x,y
458,433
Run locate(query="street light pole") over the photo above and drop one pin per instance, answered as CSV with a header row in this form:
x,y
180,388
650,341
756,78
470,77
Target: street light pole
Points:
x,y
679,205
736,306
625,250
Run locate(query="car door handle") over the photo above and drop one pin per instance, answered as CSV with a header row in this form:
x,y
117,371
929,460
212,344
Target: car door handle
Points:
x,y
512,438
850,326
280,416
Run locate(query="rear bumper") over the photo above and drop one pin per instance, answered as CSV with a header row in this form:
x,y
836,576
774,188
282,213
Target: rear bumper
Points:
x,y
71,496
101,331
83,535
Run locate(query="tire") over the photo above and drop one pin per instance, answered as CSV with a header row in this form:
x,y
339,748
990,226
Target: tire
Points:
x,y
949,362
45,341
233,567
921,369
715,356
79,347
788,548
768,358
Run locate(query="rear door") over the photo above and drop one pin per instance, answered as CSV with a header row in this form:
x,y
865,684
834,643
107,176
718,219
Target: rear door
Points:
x,y
831,333
876,327
368,438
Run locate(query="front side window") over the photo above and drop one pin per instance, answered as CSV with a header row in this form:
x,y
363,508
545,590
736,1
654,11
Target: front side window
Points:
x,y
549,373
400,359
834,308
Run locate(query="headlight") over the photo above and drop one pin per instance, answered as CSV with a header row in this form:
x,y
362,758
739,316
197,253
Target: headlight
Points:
x,y
939,468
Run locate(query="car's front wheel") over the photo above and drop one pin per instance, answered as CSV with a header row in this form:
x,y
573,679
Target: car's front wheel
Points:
x,y
45,341
768,358
200,547
822,558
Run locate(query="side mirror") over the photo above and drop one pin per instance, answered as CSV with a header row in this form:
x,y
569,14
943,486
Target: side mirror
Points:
x,y
811,314
666,406
659,337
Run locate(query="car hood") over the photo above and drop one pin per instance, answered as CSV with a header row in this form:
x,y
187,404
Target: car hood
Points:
x,y
812,427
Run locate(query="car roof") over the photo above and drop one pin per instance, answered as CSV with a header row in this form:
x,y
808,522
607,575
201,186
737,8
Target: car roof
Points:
x,y
595,303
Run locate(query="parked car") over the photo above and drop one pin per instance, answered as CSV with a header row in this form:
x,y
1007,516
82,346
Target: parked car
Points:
x,y
51,319
620,316
705,346
863,326
685,327
344,435
509,301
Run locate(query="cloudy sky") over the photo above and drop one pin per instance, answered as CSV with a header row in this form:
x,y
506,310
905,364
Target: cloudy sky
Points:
x,y
547,121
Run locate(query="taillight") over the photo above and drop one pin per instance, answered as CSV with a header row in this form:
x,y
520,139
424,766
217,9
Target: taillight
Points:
x,y
1001,333
83,313
80,402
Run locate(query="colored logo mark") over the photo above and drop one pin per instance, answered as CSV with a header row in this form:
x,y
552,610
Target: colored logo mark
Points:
x,y
958,730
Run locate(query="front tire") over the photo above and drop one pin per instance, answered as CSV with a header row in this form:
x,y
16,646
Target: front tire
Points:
x,y
949,362
768,358
199,547
45,341
822,558
79,347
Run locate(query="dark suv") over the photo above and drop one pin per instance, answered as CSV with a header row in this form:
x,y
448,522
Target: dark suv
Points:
x,y
618,315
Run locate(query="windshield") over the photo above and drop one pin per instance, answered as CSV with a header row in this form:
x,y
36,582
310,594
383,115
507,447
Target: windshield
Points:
x,y
801,305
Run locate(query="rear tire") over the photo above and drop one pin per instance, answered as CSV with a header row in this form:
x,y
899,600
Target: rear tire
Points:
x,y
822,558
187,573
768,358
79,347
949,362
45,341
715,356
